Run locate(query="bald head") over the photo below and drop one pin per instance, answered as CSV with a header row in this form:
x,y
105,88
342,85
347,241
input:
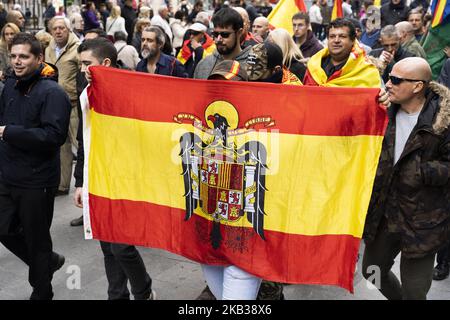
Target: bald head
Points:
x,y
408,82
413,68
243,14
261,27
405,31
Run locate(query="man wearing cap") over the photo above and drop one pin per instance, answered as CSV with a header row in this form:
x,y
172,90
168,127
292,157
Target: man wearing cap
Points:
x,y
199,46
343,63
228,29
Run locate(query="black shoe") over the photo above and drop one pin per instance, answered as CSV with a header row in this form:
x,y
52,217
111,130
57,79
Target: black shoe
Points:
x,y
270,290
206,294
441,271
58,261
62,193
77,222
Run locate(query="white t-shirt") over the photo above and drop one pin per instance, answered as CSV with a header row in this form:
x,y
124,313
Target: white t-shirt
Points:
x,y
314,14
404,124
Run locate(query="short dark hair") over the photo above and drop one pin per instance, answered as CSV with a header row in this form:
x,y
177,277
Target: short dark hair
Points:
x,y
301,16
340,23
416,11
227,17
100,32
120,35
101,49
26,38
179,15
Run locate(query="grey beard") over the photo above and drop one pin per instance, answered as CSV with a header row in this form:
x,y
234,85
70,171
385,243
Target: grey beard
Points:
x,y
146,53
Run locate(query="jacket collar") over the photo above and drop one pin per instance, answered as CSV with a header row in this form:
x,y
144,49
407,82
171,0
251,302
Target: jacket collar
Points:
x,y
73,40
436,113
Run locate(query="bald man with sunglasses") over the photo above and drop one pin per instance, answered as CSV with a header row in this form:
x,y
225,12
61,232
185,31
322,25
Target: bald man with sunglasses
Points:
x,y
409,211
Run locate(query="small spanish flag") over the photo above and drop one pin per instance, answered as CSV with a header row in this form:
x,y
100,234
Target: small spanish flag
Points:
x,y
440,11
281,15
337,10
275,179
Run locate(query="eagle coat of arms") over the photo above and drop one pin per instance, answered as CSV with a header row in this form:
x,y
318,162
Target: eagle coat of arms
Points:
x,y
224,180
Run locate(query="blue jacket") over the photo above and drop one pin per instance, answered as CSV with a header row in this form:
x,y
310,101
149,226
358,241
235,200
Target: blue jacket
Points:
x,y
166,66
36,113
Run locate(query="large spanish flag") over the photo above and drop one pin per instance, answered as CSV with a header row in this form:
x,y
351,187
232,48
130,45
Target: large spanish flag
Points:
x,y
275,179
281,15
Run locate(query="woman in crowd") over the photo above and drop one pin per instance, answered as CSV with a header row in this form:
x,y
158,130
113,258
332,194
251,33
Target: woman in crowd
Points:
x,y
140,25
115,22
7,34
292,56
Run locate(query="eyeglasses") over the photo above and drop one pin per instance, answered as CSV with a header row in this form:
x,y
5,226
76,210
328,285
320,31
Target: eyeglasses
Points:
x,y
396,80
223,34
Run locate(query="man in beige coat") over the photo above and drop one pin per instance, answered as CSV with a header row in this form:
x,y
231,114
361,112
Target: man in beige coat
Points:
x,y
62,52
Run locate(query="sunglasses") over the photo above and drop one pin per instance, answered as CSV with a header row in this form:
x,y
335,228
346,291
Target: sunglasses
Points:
x,y
223,34
396,80
195,33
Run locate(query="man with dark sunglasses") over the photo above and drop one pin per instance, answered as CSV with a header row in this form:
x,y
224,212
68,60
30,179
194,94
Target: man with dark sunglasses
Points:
x,y
409,211
228,29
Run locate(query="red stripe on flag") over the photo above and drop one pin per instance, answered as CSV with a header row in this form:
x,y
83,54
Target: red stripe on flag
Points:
x,y
300,5
293,258
286,105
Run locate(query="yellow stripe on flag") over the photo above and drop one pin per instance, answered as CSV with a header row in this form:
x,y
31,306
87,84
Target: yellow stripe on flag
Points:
x,y
439,13
281,15
324,165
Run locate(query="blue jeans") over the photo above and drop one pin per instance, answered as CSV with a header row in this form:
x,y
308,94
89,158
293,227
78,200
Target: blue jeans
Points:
x,y
231,283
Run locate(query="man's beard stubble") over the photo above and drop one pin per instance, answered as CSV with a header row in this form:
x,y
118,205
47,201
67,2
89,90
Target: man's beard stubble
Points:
x,y
148,53
225,50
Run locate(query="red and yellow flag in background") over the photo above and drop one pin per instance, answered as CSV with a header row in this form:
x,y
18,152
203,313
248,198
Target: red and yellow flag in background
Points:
x,y
273,179
281,15
337,10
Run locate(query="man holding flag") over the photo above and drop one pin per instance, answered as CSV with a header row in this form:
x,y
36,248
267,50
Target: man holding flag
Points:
x,y
343,63
409,209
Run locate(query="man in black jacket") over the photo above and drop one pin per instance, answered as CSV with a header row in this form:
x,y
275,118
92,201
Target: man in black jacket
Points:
x,y
394,12
409,208
129,14
34,119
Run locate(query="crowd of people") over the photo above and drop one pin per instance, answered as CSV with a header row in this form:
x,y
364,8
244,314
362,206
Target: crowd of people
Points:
x,y
43,76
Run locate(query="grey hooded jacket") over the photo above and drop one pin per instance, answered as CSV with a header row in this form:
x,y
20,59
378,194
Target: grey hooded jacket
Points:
x,y
205,67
